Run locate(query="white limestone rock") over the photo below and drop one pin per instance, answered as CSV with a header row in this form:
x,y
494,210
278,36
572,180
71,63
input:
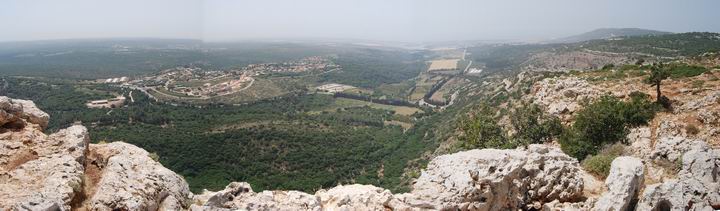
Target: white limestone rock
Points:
x,y
696,188
16,113
32,113
125,177
358,197
640,140
624,181
672,148
709,99
491,179
562,96
41,172
239,195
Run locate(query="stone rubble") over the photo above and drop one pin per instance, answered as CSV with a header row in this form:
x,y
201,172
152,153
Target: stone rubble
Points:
x,y
696,188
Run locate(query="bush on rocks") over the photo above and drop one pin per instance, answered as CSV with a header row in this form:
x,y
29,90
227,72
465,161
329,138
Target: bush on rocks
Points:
x,y
600,164
606,122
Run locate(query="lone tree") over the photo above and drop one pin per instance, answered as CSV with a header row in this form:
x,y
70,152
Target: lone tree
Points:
x,y
658,73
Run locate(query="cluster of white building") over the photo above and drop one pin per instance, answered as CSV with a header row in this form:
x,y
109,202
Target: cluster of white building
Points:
x,y
474,71
116,80
334,88
108,103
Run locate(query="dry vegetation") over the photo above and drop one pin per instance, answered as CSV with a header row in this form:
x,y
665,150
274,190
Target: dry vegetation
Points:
x,y
444,64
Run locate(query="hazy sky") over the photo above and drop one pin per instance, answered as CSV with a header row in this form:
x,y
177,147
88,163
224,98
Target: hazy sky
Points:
x,y
392,20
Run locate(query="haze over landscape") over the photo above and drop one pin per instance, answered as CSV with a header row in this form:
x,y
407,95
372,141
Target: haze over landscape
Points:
x,y
408,105
403,20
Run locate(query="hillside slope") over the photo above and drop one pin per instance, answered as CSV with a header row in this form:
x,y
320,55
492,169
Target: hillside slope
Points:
x,y
540,176
608,33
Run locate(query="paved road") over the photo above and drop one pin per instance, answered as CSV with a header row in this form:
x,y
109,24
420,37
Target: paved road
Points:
x,y
468,67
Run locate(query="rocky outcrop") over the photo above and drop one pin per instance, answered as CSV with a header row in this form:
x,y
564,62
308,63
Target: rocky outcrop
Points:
x,y
696,188
485,179
359,197
707,100
123,176
491,179
572,60
37,171
563,96
239,195
62,171
15,113
623,183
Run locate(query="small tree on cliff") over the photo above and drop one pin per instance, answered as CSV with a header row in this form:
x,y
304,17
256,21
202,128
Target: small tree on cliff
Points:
x,y
658,73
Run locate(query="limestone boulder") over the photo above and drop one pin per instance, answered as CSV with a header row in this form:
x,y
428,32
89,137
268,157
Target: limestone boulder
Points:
x,y
569,206
32,113
491,179
708,99
40,172
14,113
121,176
672,148
47,183
623,183
641,143
563,96
696,187
358,197
239,195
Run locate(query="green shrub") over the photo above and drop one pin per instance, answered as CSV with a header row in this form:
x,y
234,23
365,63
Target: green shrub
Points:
x,y
630,67
640,110
532,126
684,70
608,67
605,122
600,164
575,144
637,73
480,130
154,156
640,62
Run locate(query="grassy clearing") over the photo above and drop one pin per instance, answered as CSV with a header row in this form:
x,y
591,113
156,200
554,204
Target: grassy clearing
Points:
x,y
350,103
423,85
396,90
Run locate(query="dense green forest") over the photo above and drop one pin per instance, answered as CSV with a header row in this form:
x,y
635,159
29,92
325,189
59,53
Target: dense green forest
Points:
x,y
91,59
371,67
670,45
274,144
506,57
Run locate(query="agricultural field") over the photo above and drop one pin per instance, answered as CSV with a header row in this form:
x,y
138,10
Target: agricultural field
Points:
x,y
443,94
444,64
394,91
423,84
344,103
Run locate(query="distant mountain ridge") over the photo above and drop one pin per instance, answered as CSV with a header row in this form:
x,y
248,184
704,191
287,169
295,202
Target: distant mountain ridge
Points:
x,y
607,33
